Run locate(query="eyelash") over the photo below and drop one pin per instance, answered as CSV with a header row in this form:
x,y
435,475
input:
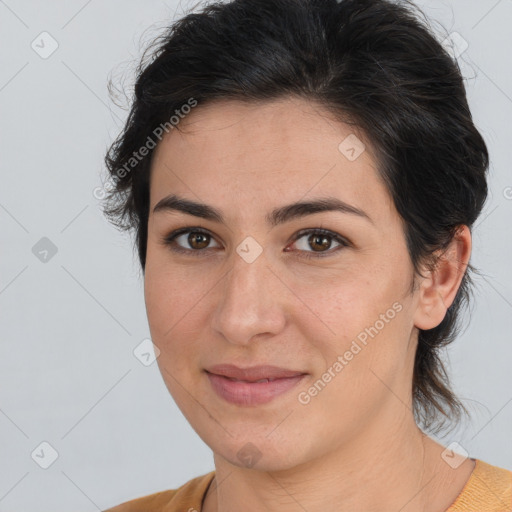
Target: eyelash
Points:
x,y
169,240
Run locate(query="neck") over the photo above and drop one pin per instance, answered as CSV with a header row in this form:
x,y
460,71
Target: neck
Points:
x,y
398,468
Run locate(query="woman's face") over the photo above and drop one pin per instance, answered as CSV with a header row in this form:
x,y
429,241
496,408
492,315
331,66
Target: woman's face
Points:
x,y
244,292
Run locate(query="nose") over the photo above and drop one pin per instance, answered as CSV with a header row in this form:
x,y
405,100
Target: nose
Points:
x,y
252,302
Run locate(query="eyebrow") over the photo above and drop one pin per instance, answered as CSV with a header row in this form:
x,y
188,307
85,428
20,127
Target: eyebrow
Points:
x,y
277,216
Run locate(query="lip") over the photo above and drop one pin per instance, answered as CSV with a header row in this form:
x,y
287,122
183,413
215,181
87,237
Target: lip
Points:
x,y
245,393
253,373
249,394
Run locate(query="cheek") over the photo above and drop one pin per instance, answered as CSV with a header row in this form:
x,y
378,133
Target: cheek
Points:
x,y
175,311
171,298
166,309
359,325
338,307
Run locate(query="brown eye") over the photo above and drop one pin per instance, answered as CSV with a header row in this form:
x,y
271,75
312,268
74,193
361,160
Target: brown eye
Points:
x,y
319,242
201,239
315,243
189,241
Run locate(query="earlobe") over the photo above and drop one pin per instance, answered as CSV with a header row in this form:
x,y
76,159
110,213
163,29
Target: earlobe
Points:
x,y
437,291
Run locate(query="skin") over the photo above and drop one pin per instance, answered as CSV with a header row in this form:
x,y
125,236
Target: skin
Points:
x,y
355,445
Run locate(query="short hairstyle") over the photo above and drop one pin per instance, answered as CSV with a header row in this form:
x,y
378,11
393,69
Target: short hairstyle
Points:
x,y
374,64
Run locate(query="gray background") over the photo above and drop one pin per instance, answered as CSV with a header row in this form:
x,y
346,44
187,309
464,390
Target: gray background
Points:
x,y
68,374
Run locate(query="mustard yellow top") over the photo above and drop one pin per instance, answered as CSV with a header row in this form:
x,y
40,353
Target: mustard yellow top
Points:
x,y
489,489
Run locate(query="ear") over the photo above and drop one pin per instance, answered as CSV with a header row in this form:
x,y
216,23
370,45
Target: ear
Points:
x,y
437,291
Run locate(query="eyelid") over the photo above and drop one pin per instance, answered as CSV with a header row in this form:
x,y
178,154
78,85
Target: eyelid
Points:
x,y
169,240
342,241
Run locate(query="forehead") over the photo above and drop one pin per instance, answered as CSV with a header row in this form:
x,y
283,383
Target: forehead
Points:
x,y
247,154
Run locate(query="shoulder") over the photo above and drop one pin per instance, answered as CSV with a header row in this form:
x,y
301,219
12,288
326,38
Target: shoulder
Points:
x,y
187,498
489,488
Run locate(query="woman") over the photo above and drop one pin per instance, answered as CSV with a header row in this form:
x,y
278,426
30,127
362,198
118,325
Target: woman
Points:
x,y
302,177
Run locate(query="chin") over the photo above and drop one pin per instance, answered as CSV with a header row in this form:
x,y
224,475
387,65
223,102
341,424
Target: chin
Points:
x,y
259,453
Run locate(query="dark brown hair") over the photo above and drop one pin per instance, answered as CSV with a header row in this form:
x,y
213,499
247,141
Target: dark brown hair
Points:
x,y
375,64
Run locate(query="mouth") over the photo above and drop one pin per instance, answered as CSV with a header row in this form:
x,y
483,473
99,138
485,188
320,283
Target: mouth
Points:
x,y
253,373
251,381
250,393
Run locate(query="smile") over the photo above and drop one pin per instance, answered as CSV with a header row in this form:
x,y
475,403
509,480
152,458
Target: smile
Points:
x,y
246,393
